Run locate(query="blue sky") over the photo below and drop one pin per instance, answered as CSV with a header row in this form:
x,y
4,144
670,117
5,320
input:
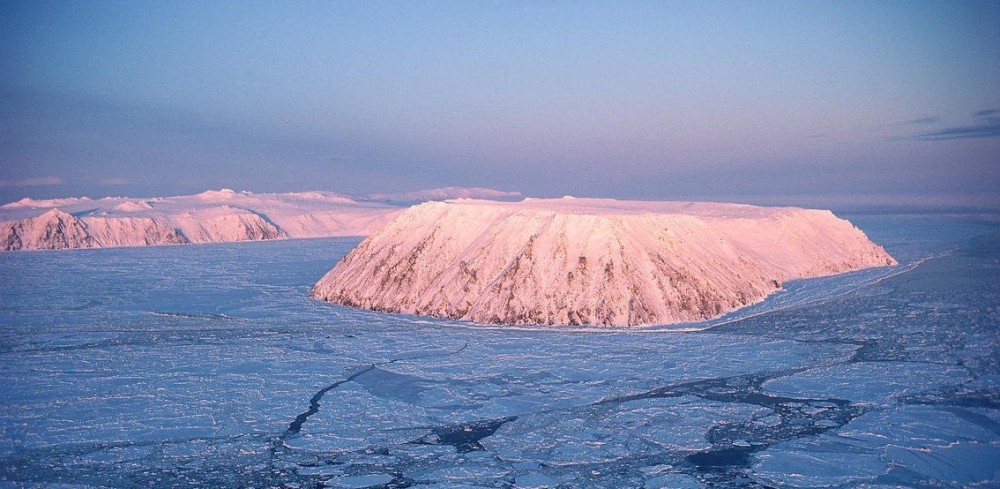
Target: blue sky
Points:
x,y
652,100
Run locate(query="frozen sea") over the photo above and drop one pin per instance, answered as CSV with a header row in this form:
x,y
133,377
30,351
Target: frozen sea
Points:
x,y
208,366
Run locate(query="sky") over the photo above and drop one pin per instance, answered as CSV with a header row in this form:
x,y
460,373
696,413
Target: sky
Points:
x,y
791,102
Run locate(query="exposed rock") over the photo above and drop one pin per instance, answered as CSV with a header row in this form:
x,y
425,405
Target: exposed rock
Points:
x,y
56,230
53,230
212,216
590,262
131,231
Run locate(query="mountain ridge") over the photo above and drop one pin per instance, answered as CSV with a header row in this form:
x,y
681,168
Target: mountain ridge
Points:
x,y
212,216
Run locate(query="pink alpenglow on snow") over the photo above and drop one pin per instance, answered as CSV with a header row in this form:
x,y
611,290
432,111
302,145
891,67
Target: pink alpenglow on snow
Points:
x,y
447,193
590,262
212,216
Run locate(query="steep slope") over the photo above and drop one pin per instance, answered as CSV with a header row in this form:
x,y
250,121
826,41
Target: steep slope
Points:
x,y
212,216
130,231
53,230
224,224
590,262
56,230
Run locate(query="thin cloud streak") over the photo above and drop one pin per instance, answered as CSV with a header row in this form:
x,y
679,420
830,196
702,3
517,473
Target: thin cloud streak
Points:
x,y
33,182
923,120
986,130
987,127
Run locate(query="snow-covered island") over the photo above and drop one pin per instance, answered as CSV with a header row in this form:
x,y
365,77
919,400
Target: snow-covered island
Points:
x,y
590,262
208,217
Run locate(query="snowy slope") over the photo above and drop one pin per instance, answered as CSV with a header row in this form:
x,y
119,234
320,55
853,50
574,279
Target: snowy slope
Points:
x,y
52,230
444,193
212,216
586,261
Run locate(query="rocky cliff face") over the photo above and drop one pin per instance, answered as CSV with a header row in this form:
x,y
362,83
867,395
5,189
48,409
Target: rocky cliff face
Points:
x,y
131,231
56,230
208,217
53,230
224,224
590,262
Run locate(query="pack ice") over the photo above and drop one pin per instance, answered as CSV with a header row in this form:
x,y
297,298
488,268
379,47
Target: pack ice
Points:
x,y
590,261
212,216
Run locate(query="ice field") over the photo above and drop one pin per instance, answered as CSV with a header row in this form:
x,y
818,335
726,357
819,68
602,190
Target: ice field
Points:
x,y
208,366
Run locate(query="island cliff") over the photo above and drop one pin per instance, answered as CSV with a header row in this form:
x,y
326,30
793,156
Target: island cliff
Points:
x,y
590,262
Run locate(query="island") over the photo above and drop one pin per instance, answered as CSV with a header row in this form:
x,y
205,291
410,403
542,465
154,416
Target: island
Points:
x,y
594,262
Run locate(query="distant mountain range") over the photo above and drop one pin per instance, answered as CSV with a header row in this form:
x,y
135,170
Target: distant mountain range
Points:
x,y
211,216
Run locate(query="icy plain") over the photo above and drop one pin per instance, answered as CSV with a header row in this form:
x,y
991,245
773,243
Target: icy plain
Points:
x,y
208,366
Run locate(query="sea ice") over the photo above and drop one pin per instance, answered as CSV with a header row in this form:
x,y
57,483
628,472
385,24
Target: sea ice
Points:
x,y
868,383
209,367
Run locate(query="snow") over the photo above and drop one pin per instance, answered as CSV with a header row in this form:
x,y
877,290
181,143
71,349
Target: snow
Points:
x,y
445,193
945,444
187,366
134,206
590,261
28,202
54,229
212,216
869,382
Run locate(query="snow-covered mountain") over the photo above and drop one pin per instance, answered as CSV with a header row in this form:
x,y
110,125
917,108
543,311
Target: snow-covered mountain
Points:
x,y
590,262
212,216
444,193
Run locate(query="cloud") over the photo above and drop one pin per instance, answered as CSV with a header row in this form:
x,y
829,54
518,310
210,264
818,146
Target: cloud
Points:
x,y
114,181
988,126
33,182
922,120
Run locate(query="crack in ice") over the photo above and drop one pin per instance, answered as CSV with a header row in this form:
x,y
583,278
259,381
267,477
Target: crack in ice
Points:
x,y
296,425
314,403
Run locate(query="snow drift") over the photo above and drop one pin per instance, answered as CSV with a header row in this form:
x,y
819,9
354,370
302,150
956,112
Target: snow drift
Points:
x,y
590,262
